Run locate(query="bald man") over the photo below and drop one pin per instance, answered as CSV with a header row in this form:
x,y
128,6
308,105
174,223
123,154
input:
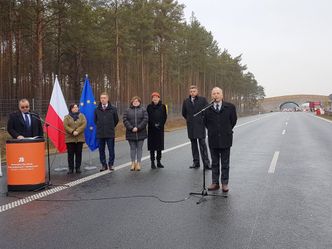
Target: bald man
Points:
x,y
22,123
220,120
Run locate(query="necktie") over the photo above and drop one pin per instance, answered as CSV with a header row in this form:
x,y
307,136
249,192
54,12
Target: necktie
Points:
x,y
104,107
217,107
26,120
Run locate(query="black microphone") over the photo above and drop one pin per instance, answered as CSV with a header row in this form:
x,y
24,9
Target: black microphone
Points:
x,y
33,114
212,101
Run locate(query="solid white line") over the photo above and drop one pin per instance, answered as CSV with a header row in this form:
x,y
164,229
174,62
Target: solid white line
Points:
x,y
274,162
45,193
327,120
283,132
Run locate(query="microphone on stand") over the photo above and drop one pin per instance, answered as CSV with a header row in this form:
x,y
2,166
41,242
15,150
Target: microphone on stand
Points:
x,y
206,107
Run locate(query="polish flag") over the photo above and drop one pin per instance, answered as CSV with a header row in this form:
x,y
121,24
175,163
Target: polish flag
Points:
x,y
57,110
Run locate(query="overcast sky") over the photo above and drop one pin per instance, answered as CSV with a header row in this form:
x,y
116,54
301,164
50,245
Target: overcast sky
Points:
x,y
286,44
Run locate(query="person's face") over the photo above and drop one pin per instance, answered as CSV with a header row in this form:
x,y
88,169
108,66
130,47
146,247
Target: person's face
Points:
x,y
155,99
104,99
193,92
24,106
217,95
74,109
136,102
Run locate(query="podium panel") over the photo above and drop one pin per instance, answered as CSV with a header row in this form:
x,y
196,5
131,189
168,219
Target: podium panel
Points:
x,y
25,164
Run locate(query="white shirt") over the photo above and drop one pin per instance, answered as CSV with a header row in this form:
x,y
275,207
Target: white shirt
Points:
x,y
219,105
28,116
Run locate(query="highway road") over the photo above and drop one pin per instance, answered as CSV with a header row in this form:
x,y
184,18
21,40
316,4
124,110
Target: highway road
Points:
x,y
280,196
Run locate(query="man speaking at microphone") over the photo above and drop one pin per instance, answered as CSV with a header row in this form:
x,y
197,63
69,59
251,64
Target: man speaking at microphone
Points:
x,y
22,123
220,120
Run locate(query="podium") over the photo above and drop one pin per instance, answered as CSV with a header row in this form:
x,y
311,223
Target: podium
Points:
x,y
25,164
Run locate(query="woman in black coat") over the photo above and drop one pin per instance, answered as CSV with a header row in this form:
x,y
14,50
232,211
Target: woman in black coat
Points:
x,y
135,119
157,118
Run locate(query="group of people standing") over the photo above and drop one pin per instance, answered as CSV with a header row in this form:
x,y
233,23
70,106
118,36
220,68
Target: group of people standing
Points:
x,y
140,124
136,119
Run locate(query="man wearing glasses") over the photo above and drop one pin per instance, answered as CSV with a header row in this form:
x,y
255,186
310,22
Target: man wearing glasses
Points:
x,y
22,123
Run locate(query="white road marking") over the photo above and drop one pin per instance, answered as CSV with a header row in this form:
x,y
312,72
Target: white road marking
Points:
x,y
286,123
322,118
283,132
46,193
274,162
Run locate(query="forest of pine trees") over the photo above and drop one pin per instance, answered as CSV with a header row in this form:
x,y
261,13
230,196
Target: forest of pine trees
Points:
x,y
127,47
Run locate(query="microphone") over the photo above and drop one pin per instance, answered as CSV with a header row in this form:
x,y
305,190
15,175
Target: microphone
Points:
x,y
212,101
33,114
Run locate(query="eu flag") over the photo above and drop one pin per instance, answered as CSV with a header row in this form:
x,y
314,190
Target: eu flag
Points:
x,y
87,107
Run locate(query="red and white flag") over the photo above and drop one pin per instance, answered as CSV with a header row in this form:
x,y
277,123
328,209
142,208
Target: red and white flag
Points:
x,y
57,110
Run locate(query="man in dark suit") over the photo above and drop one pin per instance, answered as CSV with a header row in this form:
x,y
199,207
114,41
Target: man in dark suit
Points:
x,y
220,120
22,123
195,126
106,119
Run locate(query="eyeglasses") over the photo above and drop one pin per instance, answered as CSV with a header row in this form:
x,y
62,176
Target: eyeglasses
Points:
x,y
24,107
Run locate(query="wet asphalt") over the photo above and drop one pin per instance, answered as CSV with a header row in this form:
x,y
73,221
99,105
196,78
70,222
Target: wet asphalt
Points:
x,y
290,208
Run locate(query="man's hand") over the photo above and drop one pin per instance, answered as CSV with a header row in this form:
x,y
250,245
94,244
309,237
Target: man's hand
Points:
x,y
75,133
20,137
135,129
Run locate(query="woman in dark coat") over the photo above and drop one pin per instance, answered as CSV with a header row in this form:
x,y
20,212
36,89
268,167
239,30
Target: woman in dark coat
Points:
x,y
135,119
157,118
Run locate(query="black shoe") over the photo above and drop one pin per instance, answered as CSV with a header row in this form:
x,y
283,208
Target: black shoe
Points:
x,y
159,165
194,166
71,171
103,168
110,167
208,167
78,171
153,165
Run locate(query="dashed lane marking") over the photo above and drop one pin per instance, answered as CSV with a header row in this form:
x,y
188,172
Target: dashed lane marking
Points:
x,y
274,162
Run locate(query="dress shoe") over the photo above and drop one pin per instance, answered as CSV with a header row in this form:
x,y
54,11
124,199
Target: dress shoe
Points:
x,y
194,166
110,167
225,188
159,165
70,171
153,165
214,186
103,168
78,171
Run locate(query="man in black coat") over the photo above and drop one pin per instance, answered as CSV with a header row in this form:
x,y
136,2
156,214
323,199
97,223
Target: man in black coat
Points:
x,y
22,123
157,118
106,118
195,126
220,120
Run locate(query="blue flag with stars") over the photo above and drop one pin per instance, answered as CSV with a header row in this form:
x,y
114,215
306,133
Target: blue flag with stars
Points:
x,y
87,107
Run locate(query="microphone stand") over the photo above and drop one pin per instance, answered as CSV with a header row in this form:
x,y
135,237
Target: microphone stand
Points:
x,y
48,184
204,191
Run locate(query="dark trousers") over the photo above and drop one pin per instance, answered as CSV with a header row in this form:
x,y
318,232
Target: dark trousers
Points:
x,y
110,146
152,155
74,150
203,150
220,155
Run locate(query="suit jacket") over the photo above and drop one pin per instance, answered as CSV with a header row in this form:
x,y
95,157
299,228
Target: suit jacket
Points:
x,y
16,125
106,121
195,125
220,125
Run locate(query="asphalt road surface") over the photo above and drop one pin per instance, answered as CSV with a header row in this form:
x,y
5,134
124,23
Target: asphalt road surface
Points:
x,y
280,196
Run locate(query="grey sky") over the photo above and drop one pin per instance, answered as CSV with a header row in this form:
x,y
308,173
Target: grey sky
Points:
x,y
286,44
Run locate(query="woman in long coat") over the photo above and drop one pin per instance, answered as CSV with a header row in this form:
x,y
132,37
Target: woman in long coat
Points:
x,y
74,124
157,118
135,119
